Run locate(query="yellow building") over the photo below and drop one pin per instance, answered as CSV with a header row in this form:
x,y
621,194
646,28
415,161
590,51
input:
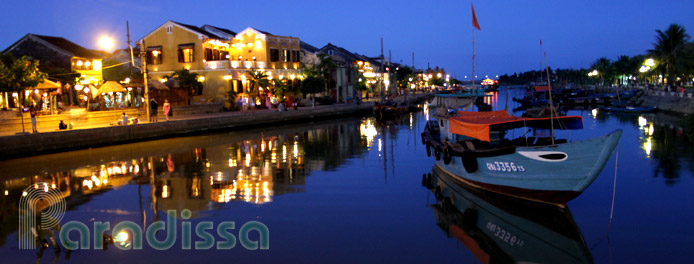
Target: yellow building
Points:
x,y
219,56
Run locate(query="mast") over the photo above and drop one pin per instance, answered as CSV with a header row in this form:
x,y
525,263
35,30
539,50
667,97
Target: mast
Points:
x,y
551,107
472,83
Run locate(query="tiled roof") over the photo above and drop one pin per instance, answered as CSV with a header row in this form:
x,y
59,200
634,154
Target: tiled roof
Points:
x,y
69,46
308,47
221,29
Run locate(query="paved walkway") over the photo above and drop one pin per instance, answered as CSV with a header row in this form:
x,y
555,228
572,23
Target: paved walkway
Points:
x,y
10,131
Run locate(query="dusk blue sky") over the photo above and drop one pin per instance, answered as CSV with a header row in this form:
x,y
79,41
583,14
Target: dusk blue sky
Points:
x,y
574,33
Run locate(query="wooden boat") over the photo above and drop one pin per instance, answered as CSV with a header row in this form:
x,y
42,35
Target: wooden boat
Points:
x,y
471,147
502,229
389,110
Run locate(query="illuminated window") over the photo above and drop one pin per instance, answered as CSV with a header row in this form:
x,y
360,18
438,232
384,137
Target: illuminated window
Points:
x,y
274,55
154,55
185,52
215,54
287,56
80,64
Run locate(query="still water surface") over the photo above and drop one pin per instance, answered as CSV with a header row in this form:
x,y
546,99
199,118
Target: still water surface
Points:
x,y
350,190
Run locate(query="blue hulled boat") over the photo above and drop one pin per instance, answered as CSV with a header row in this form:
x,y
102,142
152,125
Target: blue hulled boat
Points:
x,y
473,148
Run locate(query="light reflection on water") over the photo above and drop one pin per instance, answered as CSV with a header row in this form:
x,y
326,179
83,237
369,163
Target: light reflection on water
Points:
x,y
348,188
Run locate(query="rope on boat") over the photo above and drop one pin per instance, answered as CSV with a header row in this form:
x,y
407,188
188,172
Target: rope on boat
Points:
x,y
614,187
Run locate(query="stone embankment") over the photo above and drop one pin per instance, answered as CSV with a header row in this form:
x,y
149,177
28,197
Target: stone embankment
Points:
x,y
670,102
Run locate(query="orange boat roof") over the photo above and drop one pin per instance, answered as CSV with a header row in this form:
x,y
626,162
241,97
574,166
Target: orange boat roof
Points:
x,y
478,124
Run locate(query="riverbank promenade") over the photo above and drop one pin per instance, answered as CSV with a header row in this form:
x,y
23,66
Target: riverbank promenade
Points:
x,y
100,129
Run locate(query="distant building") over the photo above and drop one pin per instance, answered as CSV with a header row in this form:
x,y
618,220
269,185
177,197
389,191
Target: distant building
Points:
x,y
349,66
59,58
59,53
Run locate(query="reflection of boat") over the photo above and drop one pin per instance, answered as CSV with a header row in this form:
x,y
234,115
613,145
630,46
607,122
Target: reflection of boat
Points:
x,y
501,229
628,109
473,148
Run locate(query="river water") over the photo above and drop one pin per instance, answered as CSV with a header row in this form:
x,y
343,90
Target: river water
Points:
x,y
348,190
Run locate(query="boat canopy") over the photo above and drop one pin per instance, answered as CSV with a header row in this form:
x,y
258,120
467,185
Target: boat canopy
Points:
x,y
540,88
478,124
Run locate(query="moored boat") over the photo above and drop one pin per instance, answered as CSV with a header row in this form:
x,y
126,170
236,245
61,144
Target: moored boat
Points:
x,y
473,148
389,109
628,109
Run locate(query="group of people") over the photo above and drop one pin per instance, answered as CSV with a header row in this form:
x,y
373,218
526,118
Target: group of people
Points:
x,y
153,108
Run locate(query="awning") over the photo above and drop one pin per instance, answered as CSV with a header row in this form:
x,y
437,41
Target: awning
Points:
x,y
156,85
111,86
172,83
478,124
47,84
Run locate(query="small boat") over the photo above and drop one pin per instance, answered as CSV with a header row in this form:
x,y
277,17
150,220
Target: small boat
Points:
x,y
501,229
628,109
389,109
544,111
473,148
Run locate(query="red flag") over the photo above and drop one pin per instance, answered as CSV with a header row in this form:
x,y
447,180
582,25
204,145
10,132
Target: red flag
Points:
x,y
475,24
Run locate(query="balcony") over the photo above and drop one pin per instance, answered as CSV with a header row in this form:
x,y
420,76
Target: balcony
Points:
x,y
248,65
213,65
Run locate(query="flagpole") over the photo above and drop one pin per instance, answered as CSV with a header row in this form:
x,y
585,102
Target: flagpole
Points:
x,y
472,83
551,107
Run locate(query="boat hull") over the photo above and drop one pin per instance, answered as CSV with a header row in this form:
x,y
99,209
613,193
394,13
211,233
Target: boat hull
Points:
x,y
552,174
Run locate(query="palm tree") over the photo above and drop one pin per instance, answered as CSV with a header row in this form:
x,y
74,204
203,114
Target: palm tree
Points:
x,y
604,67
188,81
667,49
256,79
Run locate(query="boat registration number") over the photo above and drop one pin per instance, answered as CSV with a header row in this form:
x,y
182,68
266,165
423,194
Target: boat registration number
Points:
x,y
505,235
504,166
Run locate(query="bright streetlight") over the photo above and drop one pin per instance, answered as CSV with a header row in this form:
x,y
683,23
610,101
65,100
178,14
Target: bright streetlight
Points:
x,y
107,43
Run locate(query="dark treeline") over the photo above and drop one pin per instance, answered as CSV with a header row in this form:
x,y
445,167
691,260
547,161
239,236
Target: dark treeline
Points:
x,y
670,62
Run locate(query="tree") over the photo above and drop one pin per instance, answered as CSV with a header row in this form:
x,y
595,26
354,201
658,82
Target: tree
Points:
x,y
189,82
325,68
19,75
604,67
256,79
403,75
624,65
360,85
311,85
279,88
667,49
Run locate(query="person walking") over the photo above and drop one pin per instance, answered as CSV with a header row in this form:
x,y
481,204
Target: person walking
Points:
x,y
153,110
32,113
167,109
